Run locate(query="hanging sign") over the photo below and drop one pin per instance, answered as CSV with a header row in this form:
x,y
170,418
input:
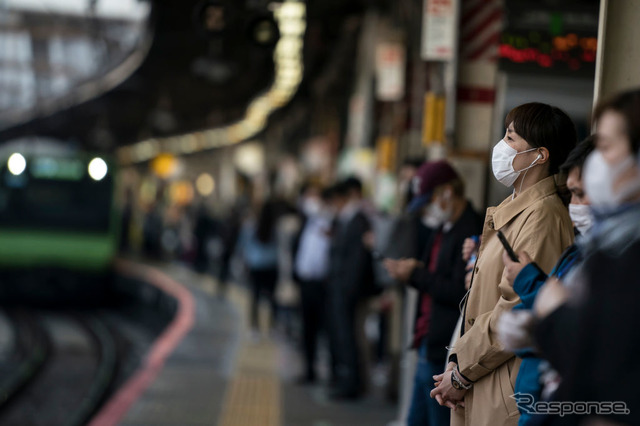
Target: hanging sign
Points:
x,y
438,30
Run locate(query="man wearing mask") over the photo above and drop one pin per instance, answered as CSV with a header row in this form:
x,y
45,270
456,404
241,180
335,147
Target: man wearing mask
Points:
x,y
407,172
311,267
439,276
514,328
350,282
598,359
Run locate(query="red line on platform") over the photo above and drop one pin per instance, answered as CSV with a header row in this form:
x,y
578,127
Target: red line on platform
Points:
x,y
114,410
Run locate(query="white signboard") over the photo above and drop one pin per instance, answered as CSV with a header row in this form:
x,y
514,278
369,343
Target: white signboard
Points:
x,y
439,30
390,69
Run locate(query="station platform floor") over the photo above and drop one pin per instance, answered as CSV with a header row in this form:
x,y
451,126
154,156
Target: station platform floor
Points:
x,y
221,374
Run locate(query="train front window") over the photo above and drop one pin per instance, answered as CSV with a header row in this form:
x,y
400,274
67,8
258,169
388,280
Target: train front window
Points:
x,y
29,202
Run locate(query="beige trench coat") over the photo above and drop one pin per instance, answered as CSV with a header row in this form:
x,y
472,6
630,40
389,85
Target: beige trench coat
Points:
x,y
536,222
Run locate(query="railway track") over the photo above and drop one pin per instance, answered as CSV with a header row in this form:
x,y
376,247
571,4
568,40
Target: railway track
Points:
x,y
61,369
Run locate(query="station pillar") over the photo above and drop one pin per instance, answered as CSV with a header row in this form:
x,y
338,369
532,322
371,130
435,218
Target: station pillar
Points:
x,y
618,57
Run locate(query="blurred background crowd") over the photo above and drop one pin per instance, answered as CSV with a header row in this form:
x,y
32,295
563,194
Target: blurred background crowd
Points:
x,y
432,200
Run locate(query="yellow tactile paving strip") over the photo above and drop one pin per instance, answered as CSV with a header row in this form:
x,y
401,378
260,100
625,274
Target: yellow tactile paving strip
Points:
x,y
253,396
252,401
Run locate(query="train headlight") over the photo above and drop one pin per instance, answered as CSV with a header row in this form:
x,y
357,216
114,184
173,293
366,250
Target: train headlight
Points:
x,y
16,164
97,168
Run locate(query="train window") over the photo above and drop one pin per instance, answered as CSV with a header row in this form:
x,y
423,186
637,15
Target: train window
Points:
x,y
55,203
55,53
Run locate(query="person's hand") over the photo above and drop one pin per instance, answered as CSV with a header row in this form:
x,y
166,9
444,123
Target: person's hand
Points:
x,y
369,240
401,269
467,279
550,296
468,247
445,394
514,329
405,268
511,268
390,265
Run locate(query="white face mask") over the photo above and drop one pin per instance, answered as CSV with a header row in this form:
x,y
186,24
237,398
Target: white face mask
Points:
x,y
502,163
435,216
311,206
581,217
599,178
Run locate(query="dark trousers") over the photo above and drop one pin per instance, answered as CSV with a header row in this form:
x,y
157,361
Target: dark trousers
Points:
x,y
224,270
312,295
341,313
263,284
425,410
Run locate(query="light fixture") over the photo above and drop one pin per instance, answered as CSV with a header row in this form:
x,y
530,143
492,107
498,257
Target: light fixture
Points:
x,y
249,158
97,168
290,18
205,184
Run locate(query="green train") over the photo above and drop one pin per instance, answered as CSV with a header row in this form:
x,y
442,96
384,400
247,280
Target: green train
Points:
x,y
57,209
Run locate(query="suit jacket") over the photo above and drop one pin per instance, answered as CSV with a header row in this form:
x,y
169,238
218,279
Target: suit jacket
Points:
x,y
446,284
351,262
536,222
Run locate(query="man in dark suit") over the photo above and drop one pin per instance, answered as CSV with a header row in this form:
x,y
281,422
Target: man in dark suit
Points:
x,y
350,283
439,276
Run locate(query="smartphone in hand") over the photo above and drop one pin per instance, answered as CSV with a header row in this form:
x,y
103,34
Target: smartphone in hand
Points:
x,y
512,254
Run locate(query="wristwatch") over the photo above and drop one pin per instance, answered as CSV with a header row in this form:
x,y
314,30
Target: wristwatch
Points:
x,y
457,383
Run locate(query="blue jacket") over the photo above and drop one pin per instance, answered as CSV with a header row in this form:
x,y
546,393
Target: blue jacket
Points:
x,y
258,255
527,284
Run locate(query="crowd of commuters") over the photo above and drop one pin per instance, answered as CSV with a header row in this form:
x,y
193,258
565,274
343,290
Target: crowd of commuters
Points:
x,y
547,337
529,336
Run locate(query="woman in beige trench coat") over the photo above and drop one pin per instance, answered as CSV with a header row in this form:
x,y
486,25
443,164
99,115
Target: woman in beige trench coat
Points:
x,y
534,219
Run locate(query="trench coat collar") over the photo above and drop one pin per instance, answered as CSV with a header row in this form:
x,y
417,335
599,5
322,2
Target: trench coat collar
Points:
x,y
508,209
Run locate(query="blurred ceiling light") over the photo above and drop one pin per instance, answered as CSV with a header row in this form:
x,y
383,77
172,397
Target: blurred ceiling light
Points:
x,y
181,192
97,168
189,144
249,158
290,17
288,46
291,10
213,138
146,150
295,28
16,164
205,184
164,165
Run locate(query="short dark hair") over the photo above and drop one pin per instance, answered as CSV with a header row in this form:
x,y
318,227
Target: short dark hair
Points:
x,y
337,190
352,183
578,155
456,184
413,162
543,125
628,105
310,184
328,194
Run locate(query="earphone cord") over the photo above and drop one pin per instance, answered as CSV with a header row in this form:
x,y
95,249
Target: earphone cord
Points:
x,y
525,176
522,181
